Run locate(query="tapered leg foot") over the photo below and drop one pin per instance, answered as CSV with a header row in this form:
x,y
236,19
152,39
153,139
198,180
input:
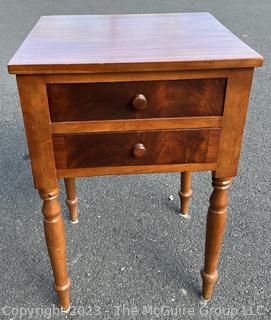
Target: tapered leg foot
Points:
x,y
216,220
71,200
208,283
185,193
63,296
56,244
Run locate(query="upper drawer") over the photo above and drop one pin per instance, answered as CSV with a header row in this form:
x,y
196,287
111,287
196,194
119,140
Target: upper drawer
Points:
x,y
140,99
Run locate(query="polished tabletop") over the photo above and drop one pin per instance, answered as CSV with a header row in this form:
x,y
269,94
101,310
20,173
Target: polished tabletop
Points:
x,y
98,43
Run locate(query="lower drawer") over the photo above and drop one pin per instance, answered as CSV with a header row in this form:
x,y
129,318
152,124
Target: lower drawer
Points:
x,y
136,148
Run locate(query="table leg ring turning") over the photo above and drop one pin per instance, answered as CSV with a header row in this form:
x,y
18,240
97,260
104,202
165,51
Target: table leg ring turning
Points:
x,y
63,295
56,244
208,283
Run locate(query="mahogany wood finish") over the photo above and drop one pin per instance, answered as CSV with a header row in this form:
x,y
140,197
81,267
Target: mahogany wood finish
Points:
x,y
71,200
118,149
185,193
216,220
121,43
122,94
162,99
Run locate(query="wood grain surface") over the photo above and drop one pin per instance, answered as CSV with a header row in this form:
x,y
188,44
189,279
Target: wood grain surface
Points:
x,y
164,99
104,43
142,169
117,149
135,125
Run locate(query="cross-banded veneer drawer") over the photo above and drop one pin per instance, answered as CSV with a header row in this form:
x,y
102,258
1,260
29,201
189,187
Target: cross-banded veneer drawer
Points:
x,y
136,148
135,100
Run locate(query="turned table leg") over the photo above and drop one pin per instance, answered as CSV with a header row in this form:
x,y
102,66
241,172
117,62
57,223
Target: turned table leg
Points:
x,y
216,220
185,193
56,244
71,200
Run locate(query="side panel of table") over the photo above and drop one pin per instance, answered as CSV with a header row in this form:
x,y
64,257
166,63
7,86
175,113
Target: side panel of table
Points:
x,y
37,123
234,118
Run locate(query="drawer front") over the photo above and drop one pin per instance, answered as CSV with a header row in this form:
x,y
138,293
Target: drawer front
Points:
x,y
131,100
136,148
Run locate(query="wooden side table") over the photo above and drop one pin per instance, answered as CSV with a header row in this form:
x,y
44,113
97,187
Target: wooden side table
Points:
x,y
127,94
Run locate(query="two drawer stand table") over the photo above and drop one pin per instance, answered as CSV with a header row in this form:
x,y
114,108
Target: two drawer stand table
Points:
x,y
131,94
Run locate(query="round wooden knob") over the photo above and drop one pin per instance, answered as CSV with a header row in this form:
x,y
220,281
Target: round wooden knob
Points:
x,y
139,150
140,102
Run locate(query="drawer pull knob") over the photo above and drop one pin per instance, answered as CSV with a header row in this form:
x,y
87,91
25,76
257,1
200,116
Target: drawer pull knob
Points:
x,y
140,102
139,150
